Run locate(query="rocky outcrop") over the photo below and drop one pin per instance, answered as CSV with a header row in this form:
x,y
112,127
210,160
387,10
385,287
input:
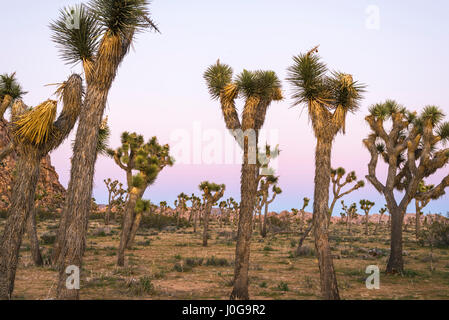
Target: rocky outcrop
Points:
x,y
49,188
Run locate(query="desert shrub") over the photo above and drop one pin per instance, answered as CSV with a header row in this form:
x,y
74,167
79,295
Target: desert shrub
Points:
x,y
276,224
220,262
3,214
283,286
436,234
141,286
193,262
48,238
304,251
43,215
145,243
157,221
268,248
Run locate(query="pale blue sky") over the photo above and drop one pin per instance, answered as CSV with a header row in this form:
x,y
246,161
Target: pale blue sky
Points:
x,y
159,87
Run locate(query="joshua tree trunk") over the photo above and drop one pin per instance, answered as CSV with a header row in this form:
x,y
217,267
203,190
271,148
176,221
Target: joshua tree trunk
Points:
x,y
4,105
22,203
366,223
418,220
128,220
265,218
73,227
395,262
135,227
107,215
248,190
195,221
34,240
378,224
329,288
206,222
304,236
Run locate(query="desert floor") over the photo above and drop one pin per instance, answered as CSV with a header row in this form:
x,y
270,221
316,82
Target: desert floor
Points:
x,y
165,265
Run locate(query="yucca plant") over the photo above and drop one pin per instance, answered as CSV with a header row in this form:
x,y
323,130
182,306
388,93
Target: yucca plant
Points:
x,y
181,206
106,31
303,223
329,98
142,161
212,192
35,133
258,90
412,146
10,89
366,206
350,213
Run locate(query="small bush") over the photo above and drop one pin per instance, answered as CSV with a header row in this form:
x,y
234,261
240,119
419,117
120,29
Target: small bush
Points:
x,y
142,286
157,221
48,238
220,262
283,286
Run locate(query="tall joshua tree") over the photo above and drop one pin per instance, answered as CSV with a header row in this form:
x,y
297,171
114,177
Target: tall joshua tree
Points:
x,y
411,148
366,206
102,33
338,183
420,205
148,160
329,98
258,89
212,193
35,134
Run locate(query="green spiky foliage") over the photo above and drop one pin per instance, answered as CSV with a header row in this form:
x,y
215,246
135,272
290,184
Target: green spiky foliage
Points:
x,y
91,28
10,90
412,146
212,192
366,206
339,181
329,97
142,161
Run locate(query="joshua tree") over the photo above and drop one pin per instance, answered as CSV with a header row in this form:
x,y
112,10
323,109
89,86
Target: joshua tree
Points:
x,y
181,206
420,205
303,223
329,99
411,148
350,214
223,205
115,194
35,134
212,193
163,207
265,184
106,32
258,89
381,214
337,185
196,207
234,207
366,206
148,159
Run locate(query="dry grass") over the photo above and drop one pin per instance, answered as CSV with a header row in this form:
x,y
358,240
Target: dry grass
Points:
x,y
163,266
